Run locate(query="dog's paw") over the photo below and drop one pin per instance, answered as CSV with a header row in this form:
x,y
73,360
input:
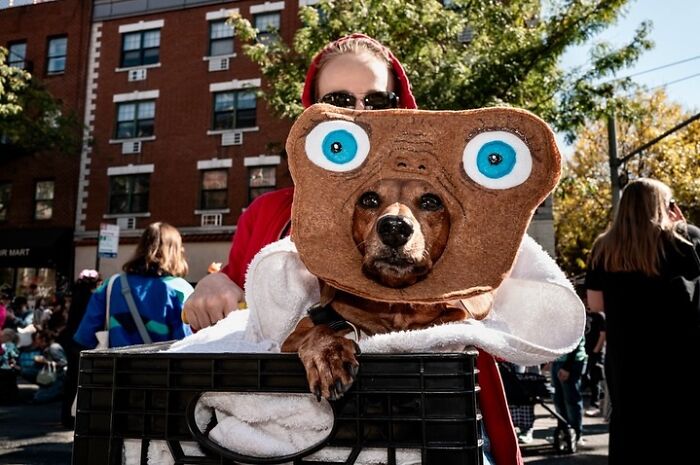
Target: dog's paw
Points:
x,y
330,362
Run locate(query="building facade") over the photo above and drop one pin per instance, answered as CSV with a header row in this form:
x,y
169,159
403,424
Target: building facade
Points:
x,y
178,133
38,192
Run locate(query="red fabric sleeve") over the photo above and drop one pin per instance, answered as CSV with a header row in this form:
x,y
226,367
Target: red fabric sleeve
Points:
x,y
235,269
494,408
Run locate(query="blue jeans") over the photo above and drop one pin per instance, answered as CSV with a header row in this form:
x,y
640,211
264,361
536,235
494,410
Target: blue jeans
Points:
x,y
567,395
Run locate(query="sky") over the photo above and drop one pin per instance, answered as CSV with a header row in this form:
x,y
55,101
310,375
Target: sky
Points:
x,y
675,31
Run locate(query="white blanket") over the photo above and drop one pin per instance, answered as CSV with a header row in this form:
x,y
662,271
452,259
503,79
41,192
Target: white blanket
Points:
x,y
537,317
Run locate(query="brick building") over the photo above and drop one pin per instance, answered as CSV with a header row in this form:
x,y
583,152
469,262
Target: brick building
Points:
x,y
38,192
177,132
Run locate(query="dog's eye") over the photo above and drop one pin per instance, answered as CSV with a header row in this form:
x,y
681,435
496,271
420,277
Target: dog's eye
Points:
x,y
337,145
497,160
369,200
430,202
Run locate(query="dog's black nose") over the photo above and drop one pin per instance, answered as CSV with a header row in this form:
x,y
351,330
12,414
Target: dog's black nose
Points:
x,y
394,231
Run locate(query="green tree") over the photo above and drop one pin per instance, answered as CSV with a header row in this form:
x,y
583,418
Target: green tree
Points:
x,y
470,54
31,119
582,207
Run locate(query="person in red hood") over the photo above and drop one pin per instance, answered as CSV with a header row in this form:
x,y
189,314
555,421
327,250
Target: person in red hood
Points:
x,y
358,72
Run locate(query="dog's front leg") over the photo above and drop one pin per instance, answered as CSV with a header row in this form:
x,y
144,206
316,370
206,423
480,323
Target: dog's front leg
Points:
x,y
329,358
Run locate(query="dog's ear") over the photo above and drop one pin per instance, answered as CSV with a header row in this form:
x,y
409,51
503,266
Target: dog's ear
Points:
x,y
492,167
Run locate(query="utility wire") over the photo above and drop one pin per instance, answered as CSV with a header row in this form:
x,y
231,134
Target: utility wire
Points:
x,y
675,81
668,65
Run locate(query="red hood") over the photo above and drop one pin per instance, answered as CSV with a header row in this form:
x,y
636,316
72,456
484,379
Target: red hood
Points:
x,y
406,99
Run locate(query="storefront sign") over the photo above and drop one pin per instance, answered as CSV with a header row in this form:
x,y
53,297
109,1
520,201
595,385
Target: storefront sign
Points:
x,y
108,243
22,252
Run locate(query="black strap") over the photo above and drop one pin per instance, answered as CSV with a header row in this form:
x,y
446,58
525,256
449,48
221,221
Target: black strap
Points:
x,y
326,315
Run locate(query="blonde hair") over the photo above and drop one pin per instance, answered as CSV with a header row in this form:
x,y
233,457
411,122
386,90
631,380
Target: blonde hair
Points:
x,y
641,228
353,46
159,252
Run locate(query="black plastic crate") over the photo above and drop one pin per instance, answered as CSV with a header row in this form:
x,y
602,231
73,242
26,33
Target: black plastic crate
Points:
x,y
425,402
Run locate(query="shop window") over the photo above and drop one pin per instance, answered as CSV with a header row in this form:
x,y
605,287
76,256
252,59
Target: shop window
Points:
x,y
17,55
214,192
43,200
268,26
35,284
129,194
220,38
135,119
5,190
261,179
140,48
234,110
56,56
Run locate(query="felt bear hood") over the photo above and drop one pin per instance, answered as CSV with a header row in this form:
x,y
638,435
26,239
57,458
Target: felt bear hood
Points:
x,y
491,167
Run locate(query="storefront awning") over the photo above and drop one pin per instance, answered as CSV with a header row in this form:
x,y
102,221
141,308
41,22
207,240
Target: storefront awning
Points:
x,y
35,247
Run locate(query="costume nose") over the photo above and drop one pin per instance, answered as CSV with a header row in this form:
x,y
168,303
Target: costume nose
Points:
x,y
394,230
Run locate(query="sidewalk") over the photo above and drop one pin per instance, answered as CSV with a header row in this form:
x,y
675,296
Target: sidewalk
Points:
x,y
541,450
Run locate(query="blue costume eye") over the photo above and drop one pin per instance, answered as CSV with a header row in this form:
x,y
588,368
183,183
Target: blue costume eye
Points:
x,y
497,160
337,145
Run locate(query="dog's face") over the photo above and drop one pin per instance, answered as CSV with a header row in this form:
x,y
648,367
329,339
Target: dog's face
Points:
x,y
416,206
401,228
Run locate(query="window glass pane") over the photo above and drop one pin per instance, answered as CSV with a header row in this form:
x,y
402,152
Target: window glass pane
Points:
x,y
140,184
246,100
119,203
44,190
126,130
57,47
17,54
126,112
223,121
119,184
245,118
220,30
147,110
145,128
5,190
214,199
214,179
151,56
139,203
56,65
131,58
151,39
132,41
258,191
221,47
262,176
267,22
224,101
44,210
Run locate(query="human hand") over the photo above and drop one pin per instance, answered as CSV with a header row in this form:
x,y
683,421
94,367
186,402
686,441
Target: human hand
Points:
x,y
563,375
214,297
675,213
39,359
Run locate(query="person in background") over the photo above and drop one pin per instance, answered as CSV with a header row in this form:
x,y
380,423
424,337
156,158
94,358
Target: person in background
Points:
x,y
82,290
155,276
4,302
595,348
644,273
566,380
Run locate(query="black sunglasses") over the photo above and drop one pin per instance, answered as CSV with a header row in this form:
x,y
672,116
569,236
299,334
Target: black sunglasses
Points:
x,y
373,101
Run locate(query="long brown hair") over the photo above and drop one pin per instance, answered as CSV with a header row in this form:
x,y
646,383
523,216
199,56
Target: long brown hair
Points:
x,y
159,253
642,226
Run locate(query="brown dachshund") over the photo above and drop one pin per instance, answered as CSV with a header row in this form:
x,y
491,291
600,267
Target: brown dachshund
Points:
x,y
401,228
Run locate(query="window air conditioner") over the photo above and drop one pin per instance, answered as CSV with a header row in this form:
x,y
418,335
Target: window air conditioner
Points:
x,y
127,222
131,147
232,138
138,74
218,64
212,219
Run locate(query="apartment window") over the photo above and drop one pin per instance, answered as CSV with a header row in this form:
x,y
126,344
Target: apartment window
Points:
x,y
268,26
135,119
214,193
261,179
43,200
56,55
233,110
5,189
129,194
140,48
220,38
17,55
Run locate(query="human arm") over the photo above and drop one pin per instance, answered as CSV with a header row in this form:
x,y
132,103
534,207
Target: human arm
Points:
x,y
178,292
214,297
93,319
